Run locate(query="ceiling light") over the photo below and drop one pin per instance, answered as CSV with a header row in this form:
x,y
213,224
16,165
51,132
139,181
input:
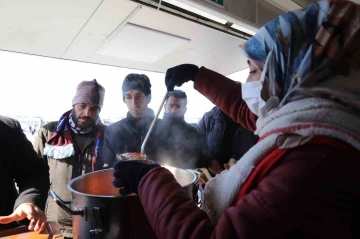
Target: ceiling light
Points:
x,y
243,29
213,15
196,11
142,44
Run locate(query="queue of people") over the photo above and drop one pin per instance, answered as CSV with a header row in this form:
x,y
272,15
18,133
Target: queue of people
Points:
x,y
297,180
78,143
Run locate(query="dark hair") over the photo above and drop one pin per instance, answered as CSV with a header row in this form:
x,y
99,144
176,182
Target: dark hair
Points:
x,y
137,82
179,94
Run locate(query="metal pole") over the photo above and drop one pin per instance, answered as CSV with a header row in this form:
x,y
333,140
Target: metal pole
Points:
x,y
153,123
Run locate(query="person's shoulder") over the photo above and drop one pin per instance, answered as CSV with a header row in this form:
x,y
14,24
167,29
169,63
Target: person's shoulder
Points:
x,y
115,126
214,112
321,151
10,122
11,130
51,126
159,124
191,128
117,123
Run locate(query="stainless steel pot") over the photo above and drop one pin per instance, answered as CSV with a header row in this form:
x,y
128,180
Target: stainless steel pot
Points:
x,y
100,212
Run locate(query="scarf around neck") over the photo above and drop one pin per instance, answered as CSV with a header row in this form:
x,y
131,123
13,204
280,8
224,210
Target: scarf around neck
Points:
x,y
304,118
60,145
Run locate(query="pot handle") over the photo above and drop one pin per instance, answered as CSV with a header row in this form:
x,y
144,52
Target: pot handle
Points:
x,y
61,203
197,175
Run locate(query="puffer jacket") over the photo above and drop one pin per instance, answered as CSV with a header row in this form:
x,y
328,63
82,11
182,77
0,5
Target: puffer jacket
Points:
x,y
225,139
62,171
19,164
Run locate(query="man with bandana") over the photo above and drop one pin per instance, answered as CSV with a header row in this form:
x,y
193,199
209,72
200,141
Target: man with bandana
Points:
x,y
71,145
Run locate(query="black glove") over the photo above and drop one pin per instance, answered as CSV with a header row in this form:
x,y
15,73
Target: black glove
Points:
x,y
128,173
180,74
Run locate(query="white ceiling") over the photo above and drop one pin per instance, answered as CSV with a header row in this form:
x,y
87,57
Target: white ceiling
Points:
x,y
76,29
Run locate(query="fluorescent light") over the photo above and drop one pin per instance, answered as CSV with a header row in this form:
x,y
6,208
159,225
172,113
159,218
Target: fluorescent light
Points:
x,y
196,11
243,29
213,15
284,5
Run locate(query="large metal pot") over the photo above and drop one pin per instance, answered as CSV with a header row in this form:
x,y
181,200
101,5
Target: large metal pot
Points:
x,y
100,212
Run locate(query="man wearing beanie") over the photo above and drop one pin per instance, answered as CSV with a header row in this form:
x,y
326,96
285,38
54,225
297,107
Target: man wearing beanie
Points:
x,y
127,135
70,147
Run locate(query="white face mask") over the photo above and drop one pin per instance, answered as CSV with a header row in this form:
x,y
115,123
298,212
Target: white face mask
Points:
x,y
251,94
251,91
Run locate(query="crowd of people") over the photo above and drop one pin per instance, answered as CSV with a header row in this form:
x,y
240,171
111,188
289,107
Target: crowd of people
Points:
x,y
295,178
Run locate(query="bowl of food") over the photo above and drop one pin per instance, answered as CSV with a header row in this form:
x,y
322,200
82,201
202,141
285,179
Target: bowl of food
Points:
x,y
133,156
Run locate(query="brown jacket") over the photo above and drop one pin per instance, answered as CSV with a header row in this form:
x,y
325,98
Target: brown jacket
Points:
x,y
62,171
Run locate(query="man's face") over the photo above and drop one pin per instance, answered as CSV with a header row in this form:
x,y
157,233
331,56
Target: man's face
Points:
x,y
86,114
137,103
175,106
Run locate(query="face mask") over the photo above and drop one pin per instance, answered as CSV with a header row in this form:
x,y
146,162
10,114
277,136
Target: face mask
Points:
x,y
251,91
251,94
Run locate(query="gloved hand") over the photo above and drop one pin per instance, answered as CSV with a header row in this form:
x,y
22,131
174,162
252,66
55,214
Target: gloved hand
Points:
x,y
128,173
180,74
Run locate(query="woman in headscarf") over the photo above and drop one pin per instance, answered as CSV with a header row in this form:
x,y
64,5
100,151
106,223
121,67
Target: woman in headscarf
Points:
x,y
301,179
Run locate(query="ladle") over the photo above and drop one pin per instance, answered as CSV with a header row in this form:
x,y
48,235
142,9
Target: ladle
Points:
x,y
153,124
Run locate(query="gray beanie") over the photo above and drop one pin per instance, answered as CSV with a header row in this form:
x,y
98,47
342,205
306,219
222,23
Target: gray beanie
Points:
x,y
136,82
89,92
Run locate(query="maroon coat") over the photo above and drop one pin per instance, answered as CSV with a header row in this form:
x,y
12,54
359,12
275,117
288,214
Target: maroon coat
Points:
x,y
225,94
312,192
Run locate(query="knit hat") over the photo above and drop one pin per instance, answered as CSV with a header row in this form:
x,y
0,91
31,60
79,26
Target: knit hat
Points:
x,y
89,92
137,82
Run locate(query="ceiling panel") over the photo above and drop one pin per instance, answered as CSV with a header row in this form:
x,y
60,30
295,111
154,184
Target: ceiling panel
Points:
x,y
207,46
77,29
42,27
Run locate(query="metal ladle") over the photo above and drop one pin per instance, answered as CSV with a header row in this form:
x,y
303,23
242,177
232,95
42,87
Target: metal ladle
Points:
x,y
153,124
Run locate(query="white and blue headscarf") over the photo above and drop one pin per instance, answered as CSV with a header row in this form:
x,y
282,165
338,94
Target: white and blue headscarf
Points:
x,y
307,53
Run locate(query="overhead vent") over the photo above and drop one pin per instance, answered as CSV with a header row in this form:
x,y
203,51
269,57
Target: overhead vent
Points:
x,y
138,43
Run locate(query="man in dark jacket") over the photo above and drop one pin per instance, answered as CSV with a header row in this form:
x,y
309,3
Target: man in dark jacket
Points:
x,y
19,164
128,134
186,147
225,138
70,147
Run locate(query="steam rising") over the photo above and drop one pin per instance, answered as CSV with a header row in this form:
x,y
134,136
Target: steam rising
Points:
x,y
173,142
